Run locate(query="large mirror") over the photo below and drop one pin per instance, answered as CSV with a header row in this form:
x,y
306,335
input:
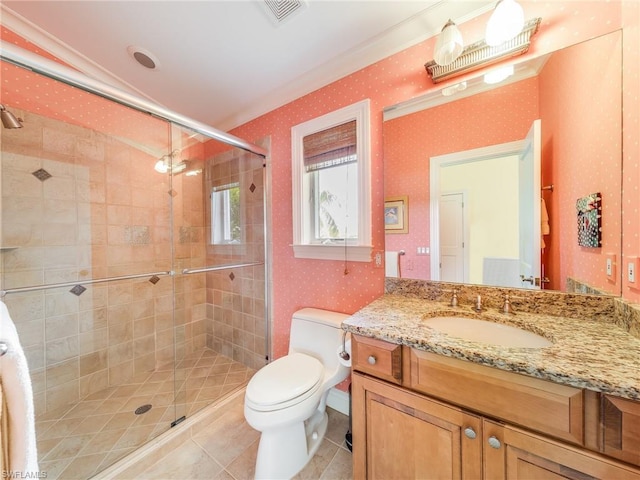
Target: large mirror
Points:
x,y
474,213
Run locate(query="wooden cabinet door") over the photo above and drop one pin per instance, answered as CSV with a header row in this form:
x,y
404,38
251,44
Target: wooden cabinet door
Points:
x,y
621,428
407,436
530,457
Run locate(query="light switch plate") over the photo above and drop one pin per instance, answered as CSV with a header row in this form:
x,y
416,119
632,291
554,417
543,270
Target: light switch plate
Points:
x,y
611,266
631,271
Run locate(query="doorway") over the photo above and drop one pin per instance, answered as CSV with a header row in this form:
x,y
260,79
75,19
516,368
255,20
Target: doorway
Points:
x,y
502,208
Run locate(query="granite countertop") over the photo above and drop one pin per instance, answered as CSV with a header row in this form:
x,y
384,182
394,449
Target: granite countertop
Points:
x,y
590,354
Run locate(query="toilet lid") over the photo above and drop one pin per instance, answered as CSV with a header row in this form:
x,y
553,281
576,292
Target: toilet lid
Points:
x,y
287,378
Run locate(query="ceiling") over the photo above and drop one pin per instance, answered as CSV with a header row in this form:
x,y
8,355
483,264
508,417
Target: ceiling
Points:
x,y
224,63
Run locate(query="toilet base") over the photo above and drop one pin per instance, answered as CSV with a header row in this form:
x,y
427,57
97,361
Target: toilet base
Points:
x,y
283,452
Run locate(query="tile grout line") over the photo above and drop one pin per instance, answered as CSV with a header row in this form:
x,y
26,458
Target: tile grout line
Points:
x,y
143,380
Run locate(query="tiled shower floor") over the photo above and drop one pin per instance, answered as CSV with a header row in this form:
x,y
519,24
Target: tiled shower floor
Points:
x,y
82,439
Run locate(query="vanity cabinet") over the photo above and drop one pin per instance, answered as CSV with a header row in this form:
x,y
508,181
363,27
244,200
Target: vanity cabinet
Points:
x,y
411,436
513,454
422,415
542,406
380,359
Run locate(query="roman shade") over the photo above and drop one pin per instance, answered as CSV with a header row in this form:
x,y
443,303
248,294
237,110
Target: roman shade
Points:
x,y
330,147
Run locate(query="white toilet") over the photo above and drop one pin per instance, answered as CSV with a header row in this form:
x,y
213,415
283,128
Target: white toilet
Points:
x,y
286,399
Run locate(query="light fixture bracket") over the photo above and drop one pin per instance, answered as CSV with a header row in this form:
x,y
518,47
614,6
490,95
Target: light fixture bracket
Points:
x,y
479,54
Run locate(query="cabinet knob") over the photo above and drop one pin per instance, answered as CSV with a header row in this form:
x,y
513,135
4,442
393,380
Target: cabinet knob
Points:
x,y
470,433
371,360
494,442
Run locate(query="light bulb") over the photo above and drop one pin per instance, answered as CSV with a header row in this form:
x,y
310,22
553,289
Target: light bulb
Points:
x,y
449,45
161,166
506,21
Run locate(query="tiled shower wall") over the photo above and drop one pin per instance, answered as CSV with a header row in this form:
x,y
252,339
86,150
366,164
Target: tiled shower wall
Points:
x,y
99,211
236,297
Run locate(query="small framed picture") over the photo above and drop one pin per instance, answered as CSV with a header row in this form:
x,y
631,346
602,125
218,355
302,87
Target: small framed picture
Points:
x,y
396,214
589,211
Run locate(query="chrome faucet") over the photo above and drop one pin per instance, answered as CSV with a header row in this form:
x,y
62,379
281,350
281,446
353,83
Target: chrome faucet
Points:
x,y
454,298
478,307
507,305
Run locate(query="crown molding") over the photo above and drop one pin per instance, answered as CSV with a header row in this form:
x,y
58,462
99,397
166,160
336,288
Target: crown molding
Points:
x,y
412,31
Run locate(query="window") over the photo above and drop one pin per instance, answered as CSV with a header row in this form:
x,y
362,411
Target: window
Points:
x,y
225,214
331,186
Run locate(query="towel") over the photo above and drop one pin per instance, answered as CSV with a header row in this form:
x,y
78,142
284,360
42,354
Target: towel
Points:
x,y
17,392
501,272
4,434
390,264
544,222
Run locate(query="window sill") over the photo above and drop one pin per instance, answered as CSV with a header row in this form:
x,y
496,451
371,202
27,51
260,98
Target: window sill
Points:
x,y
354,253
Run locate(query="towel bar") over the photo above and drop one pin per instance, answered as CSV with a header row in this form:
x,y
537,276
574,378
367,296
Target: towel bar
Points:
x,y
3,348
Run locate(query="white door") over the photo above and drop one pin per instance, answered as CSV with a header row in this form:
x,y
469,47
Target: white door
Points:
x,y
529,203
452,265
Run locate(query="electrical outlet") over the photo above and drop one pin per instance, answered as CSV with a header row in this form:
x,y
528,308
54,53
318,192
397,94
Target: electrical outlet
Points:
x,y
377,259
631,271
609,267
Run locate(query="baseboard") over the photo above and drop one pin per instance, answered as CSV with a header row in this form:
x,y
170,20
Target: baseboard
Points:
x,y
338,400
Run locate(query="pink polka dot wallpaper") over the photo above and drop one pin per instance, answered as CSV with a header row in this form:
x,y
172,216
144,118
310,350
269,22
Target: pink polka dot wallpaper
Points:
x,y
322,284
498,116
298,283
631,142
581,129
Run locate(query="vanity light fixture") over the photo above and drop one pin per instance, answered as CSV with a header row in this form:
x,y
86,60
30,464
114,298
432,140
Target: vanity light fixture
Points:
x,y
178,167
165,164
480,54
161,166
506,21
498,75
449,44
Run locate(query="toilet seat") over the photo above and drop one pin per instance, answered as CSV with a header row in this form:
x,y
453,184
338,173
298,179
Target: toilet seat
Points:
x,y
284,382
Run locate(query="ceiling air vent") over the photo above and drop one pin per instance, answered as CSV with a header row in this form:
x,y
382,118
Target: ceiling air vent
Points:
x,y
281,10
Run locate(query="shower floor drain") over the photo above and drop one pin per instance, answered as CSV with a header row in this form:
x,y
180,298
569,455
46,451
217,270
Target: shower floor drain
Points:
x,y
143,409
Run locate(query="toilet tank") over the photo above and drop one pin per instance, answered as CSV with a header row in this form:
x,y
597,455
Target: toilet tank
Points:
x,y
317,332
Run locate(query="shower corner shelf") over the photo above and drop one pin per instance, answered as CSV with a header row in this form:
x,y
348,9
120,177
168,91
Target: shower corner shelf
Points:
x,y
7,249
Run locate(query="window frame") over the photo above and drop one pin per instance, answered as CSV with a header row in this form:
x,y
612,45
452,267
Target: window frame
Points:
x,y
226,190
303,244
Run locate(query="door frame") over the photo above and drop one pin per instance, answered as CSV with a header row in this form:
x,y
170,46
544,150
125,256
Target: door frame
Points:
x,y
457,158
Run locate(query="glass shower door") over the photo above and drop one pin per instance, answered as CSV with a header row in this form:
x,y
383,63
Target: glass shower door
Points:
x,y
85,271
219,263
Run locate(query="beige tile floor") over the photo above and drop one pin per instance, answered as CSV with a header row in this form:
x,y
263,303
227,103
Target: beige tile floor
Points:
x,y
226,450
79,440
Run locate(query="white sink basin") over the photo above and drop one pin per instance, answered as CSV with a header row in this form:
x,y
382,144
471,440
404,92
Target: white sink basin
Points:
x,y
487,332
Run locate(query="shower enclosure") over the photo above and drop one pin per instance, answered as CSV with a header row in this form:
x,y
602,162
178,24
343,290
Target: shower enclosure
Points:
x,y
132,261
